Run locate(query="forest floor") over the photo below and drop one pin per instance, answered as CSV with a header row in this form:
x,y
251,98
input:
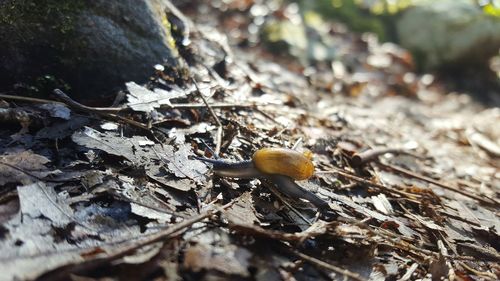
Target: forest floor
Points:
x,y
410,170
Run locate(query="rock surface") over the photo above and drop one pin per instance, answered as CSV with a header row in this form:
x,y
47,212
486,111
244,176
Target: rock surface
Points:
x,y
93,46
449,33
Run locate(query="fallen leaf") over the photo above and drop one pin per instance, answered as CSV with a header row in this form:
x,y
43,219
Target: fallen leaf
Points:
x,y
57,110
14,162
142,99
229,259
158,160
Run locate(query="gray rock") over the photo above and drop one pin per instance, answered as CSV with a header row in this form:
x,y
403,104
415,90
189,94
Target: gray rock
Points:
x,y
449,33
94,46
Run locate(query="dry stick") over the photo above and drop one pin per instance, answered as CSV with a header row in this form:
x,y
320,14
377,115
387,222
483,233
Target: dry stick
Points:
x,y
364,181
76,105
366,156
118,109
267,116
393,239
401,242
85,266
409,272
487,253
492,201
322,264
35,100
210,109
285,202
458,218
213,105
297,143
487,275
28,99
32,175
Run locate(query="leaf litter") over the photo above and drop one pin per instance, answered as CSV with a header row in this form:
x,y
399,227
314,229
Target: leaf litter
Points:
x,y
102,195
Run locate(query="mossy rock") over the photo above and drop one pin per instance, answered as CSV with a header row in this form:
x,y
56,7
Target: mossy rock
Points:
x,y
450,34
93,46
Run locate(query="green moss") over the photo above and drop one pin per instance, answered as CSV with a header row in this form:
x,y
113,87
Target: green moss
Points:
x,y
46,29
22,15
175,35
169,29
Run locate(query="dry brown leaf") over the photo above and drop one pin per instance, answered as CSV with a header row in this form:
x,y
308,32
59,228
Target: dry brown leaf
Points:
x,y
14,162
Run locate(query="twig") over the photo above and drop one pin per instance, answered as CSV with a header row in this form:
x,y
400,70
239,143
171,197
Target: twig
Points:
x,y
481,252
216,156
459,218
285,202
212,105
366,182
322,264
32,175
210,109
85,266
487,275
119,109
36,100
409,272
267,116
297,143
403,243
28,99
369,155
78,106
490,201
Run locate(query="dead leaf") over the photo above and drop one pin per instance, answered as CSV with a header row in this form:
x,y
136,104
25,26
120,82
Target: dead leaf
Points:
x,y
230,259
382,204
144,100
62,129
57,110
158,160
242,212
13,162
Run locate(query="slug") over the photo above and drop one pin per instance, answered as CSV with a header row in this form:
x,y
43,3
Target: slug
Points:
x,y
279,166
282,161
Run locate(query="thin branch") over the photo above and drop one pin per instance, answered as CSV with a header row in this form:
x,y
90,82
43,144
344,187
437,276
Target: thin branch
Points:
x,y
409,272
369,155
213,105
78,106
85,266
218,141
297,143
119,109
349,176
487,201
325,265
32,175
28,99
487,275
285,202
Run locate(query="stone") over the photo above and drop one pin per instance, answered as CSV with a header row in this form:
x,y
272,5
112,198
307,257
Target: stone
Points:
x,y
93,46
452,33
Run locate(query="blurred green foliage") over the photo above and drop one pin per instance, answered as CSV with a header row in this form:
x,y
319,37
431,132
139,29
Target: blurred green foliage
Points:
x,y
379,16
492,8
356,15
